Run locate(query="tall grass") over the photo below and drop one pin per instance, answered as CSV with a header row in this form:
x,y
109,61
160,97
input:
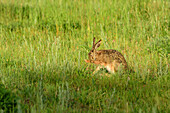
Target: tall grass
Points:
x,y
43,45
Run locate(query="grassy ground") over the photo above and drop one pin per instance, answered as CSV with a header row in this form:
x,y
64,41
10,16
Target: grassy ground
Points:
x,y
43,45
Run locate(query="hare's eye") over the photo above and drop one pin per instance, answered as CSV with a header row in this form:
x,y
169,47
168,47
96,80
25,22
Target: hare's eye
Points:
x,y
91,50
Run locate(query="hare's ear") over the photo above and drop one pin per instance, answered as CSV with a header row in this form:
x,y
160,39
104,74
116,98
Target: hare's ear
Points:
x,y
98,44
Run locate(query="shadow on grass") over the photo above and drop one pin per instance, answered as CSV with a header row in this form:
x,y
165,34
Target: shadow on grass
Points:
x,y
8,100
70,88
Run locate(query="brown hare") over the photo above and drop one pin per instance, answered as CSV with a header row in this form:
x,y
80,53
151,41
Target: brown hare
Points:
x,y
112,60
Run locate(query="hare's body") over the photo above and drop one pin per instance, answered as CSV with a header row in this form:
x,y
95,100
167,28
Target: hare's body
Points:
x,y
112,60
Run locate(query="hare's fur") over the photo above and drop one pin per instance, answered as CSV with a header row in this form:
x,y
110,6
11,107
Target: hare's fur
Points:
x,y
112,60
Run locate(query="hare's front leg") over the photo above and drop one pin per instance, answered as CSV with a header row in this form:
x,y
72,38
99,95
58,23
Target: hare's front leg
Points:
x,y
97,69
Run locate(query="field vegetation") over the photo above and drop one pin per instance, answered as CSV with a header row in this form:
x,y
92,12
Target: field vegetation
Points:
x,y
43,45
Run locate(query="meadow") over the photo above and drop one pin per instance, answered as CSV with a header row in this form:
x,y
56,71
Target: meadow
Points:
x,y
43,45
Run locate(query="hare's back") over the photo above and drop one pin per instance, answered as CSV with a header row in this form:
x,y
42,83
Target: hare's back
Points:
x,y
113,55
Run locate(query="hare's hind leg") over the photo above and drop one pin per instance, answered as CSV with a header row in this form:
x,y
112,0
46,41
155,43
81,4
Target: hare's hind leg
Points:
x,y
111,68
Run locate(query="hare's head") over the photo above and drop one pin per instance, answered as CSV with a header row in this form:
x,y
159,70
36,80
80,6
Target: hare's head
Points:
x,y
92,54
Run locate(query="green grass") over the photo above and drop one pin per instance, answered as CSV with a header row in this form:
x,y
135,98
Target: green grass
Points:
x,y
43,45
